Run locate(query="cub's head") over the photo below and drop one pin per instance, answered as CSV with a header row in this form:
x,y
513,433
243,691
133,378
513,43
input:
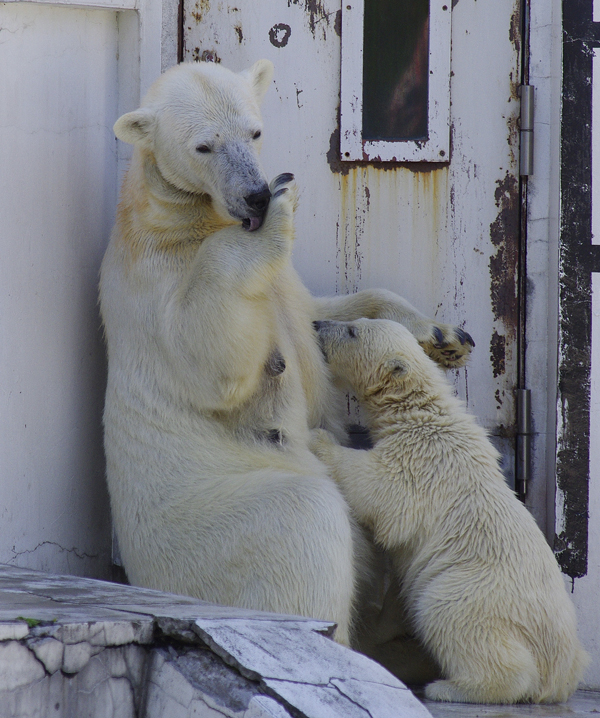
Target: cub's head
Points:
x,y
375,357
200,123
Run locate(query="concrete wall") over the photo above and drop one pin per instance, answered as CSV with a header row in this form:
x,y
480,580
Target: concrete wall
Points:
x,y
67,74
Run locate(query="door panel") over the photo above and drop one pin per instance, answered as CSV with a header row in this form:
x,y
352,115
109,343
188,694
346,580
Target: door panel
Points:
x,y
444,235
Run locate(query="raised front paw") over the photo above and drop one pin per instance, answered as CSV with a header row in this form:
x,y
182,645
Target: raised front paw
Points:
x,y
449,346
283,189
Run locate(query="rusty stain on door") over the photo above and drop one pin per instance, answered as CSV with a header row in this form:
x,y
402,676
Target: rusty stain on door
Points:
x,y
504,235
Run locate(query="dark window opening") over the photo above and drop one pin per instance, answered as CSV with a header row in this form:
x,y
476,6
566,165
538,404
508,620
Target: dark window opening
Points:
x,y
395,70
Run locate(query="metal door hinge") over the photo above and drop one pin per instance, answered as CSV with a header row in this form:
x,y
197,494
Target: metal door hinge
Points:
x,y
526,93
524,433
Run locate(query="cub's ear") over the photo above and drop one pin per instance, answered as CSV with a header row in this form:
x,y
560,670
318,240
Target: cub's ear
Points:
x,y
260,76
396,367
135,127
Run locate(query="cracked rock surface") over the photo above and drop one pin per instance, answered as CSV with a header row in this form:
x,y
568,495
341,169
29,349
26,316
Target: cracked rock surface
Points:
x,y
72,647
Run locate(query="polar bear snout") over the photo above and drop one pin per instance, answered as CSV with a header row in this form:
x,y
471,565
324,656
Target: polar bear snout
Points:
x,y
258,203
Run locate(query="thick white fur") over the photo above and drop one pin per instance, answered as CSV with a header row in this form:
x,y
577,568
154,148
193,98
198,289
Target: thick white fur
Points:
x,y
215,374
481,586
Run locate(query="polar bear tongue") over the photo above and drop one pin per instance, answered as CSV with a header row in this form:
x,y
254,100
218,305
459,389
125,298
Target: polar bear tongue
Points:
x,y
252,223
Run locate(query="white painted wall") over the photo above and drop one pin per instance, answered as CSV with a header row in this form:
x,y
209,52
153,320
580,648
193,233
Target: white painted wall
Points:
x,y
67,74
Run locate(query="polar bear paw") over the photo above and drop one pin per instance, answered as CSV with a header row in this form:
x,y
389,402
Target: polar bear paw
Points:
x,y
448,345
446,691
283,189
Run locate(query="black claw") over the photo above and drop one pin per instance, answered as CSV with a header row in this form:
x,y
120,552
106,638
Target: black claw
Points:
x,y
283,179
439,338
279,192
464,337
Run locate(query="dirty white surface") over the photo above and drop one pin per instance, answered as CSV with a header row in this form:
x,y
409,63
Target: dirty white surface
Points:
x,y
71,647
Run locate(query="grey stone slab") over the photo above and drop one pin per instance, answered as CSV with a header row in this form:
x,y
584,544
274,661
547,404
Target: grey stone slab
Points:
x,y
33,586
13,631
191,681
309,672
100,626
366,701
106,687
280,650
84,590
216,612
48,651
265,707
18,666
88,649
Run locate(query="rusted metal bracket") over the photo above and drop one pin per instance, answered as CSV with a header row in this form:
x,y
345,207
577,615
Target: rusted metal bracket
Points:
x,y
526,93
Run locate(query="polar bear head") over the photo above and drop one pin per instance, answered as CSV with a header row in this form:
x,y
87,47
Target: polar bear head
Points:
x,y
376,357
200,124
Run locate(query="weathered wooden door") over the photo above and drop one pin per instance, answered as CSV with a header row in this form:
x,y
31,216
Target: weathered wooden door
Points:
x,y
444,233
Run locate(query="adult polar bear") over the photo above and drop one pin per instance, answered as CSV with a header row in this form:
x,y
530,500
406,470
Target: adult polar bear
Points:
x,y
215,375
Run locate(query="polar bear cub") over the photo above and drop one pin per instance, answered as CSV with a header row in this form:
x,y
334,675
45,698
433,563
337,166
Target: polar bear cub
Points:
x,y
482,588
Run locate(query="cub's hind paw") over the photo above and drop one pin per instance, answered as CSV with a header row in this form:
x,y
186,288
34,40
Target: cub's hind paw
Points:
x,y
444,691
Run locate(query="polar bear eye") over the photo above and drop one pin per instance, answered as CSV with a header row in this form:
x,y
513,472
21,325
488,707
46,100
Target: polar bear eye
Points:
x,y
352,332
203,149
256,135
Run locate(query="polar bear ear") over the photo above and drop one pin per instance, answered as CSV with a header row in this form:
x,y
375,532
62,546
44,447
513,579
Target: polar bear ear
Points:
x,y
135,127
396,367
260,76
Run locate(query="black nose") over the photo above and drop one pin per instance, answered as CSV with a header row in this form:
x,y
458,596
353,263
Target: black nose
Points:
x,y
259,201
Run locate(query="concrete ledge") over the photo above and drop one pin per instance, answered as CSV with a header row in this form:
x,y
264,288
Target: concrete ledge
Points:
x,y
72,647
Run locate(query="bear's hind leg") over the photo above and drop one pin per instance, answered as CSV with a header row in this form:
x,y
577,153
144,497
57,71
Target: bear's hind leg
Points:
x,y
503,672
292,550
